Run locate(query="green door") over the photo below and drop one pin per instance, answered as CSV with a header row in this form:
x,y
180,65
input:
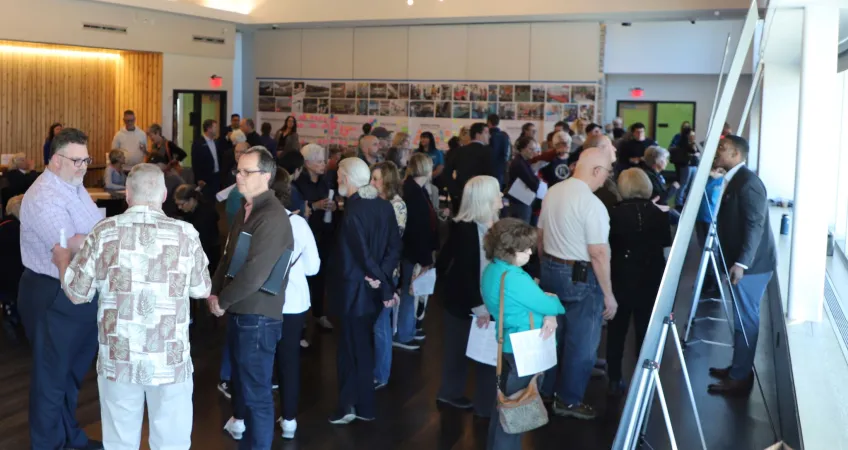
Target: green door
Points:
x,y
669,118
633,112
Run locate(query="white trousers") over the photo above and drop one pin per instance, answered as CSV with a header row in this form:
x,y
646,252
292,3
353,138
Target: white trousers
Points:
x,y
169,412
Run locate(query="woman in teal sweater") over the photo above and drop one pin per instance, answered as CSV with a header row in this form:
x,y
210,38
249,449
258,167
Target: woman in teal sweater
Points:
x,y
509,244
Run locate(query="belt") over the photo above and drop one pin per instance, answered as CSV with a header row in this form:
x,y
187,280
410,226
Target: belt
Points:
x,y
567,262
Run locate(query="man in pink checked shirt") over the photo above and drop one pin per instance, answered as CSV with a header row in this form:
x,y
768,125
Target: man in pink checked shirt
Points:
x,y
63,336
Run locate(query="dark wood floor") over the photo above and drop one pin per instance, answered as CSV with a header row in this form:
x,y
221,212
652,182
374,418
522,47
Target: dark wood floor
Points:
x,y
407,416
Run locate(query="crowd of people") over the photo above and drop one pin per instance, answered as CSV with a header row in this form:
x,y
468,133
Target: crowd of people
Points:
x,y
584,253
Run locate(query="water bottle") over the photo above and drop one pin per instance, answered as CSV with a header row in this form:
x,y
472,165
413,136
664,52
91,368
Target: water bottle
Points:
x,y
784,225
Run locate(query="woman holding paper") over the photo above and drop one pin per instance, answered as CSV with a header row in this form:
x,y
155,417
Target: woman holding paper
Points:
x,y
460,264
525,183
509,245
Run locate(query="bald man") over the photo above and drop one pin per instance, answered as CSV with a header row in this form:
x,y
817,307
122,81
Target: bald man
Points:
x,y
369,150
575,265
608,193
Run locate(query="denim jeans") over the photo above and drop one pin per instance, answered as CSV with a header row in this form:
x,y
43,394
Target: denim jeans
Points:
x,y
749,293
383,346
226,367
686,175
519,210
253,342
406,309
578,331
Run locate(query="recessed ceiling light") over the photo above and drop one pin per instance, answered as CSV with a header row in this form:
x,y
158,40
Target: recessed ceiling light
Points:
x,y
410,2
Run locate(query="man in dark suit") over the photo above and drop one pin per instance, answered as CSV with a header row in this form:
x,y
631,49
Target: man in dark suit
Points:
x,y
468,162
748,245
205,160
501,148
249,130
366,253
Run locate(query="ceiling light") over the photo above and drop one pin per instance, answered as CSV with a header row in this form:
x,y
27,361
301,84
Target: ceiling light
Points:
x,y
236,6
57,52
410,2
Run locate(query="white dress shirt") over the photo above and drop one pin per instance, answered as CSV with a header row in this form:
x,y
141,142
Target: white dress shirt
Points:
x,y
211,143
307,264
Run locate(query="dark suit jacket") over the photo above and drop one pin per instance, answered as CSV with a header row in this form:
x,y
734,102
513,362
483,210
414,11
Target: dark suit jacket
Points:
x,y
421,237
743,224
19,182
202,162
11,267
657,182
369,245
254,139
458,265
466,163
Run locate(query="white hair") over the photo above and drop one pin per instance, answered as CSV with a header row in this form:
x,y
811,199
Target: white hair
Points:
x,y
653,154
146,185
358,173
313,152
478,200
618,122
237,136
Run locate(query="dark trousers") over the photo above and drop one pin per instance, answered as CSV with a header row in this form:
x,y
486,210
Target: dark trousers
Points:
x,y
640,310
510,383
702,229
317,288
288,364
212,187
63,337
519,210
455,367
355,365
253,342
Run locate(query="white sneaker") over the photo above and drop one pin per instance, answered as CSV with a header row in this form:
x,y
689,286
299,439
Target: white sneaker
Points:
x,y
324,322
304,343
288,426
235,428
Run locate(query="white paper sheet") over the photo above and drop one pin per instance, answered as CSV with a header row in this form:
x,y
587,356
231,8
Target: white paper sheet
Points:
x,y
425,284
221,196
543,189
521,192
532,353
483,343
395,310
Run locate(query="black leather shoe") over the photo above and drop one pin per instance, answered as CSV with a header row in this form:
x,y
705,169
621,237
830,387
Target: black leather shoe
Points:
x,y
721,373
729,386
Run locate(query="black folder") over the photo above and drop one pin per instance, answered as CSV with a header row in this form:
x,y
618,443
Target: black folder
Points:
x,y
274,284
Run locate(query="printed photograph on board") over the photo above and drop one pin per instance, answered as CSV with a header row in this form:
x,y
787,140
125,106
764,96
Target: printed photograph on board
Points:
x,y
582,94
530,111
539,93
587,112
338,90
443,110
403,91
282,88
362,107
461,92
350,90
481,110
362,90
553,112
385,108
316,106
338,106
297,105
378,90
373,107
506,92
493,92
392,91
461,110
560,93
424,91
399,108
266,88
506,111
299,88
523,93
446,91
421,109
283,104
317,90
479,93
570,112
267,104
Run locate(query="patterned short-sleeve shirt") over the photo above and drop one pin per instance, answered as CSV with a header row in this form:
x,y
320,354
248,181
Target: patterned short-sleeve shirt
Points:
x,y
145,266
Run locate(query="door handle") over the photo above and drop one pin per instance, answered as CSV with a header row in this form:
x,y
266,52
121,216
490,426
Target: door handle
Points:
x,y
662,125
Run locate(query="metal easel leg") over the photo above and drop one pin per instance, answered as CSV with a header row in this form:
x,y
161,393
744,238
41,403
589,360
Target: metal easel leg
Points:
x,y
641,393
688,384
643,421
664,407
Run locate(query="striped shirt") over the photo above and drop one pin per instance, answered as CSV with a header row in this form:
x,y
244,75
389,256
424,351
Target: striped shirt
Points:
x,y
50,205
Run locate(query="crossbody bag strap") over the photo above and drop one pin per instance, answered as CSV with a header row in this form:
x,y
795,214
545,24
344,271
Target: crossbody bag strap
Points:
x,y
500,328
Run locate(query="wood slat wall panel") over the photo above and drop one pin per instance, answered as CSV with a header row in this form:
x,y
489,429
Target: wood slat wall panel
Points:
x,y
84,92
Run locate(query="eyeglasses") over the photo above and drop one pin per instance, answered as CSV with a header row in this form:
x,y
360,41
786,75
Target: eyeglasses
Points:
x,y
608,169
246,173
78,162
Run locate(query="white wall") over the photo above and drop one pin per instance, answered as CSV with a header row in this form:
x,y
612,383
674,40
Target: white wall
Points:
x,y
676,88
779,129
191,72
495,52
671,47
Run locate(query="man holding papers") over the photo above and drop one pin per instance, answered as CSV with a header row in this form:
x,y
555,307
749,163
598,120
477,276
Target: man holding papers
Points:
x,y
253,297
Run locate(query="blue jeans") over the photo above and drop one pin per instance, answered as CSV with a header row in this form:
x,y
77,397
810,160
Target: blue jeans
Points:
x,y
383,346
253,342
406,309
749,293
226,367
686,175
519,210
578,331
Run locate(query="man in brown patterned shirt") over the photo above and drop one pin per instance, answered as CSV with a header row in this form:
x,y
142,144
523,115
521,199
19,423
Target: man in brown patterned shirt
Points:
x,y
145,267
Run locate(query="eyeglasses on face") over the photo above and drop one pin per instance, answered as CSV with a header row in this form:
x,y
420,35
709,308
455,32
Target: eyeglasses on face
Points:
x,y
246,173
78,162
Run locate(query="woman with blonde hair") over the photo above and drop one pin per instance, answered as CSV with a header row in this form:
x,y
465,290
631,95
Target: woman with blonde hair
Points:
x,y
400,150
460,264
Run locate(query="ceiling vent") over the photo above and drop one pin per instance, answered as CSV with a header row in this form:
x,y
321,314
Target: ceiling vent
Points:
x,y
209,40
107,28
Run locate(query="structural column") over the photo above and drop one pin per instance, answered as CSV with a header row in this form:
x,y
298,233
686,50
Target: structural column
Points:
x,y
815,165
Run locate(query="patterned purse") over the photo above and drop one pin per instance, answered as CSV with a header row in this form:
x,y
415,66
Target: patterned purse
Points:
x,y
523,410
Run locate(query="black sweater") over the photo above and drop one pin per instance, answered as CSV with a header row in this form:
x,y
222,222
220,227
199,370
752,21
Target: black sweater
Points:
x,y
459,266
520,169
421,237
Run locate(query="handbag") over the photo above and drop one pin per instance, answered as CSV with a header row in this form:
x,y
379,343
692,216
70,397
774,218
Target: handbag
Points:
x,y
523,410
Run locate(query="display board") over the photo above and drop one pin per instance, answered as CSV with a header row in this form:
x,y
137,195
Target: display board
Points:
x,y
333,112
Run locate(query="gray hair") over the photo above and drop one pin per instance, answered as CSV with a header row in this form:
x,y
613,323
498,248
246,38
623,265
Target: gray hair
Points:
x,y
267,163
146,184
420,165
634,183
238,136
358,173
478,199
313,152
654,154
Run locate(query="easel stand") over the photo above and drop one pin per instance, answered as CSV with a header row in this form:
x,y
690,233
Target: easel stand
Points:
x,y
708,260
637,424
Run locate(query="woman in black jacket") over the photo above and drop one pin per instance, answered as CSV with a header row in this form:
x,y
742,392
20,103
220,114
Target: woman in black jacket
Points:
x,y
204,218
166,148
11,266
639,231
460,265
520,169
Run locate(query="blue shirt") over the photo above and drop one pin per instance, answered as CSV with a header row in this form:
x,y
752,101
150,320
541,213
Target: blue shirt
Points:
x,y
437,156
233,205
712,194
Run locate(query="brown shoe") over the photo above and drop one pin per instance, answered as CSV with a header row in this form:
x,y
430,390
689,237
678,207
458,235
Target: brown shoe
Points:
x,y
729,386
721,373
